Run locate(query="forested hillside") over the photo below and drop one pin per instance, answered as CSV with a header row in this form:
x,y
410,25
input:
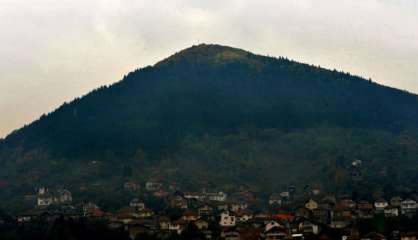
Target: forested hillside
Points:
x,y
218,114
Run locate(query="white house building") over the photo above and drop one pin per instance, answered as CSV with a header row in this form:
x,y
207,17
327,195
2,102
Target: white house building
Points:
x,y
227,220
408,206
380,205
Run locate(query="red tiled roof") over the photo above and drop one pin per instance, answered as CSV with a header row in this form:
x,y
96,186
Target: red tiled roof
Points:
x,y
96,213
189,214
286,216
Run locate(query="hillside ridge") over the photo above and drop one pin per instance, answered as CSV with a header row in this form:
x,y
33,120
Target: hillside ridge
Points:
x,y
242,117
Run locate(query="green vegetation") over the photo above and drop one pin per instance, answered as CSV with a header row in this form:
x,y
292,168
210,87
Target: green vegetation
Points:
x,y
218,115
62,229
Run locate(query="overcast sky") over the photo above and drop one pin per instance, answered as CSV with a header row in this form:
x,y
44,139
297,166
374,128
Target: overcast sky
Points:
x,y
52,51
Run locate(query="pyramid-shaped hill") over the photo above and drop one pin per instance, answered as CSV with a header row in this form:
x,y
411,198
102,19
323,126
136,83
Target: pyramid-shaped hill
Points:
x,y
222,114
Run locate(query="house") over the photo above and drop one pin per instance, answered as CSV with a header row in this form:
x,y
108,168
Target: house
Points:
x,y
408,206
347,214
216,196
261,219
151,223
275,199
46,197
70,212
145,213
343,196
391,211
230,233
164,223
284,217
29,216
95,162
322,214
316,191
244,215
222,206
285,195
311,205
236,206
364,205
130,186
273,230
356,163
364,210
380,205
409,236
153,186
177,226
227,220
96,214
297,236
205,211
302,212
115,224
291,190
138,204
178,201
161,194
193,195
89,207
340,213
330,200
137,228
64,196
248,196
307,191
348,204
189,216
373,236
295,230
308,227
127,214
338,224
201,224
91,210
355,173
396,201
173,187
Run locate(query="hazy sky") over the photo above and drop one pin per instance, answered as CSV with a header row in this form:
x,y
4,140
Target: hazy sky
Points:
x,y
52,51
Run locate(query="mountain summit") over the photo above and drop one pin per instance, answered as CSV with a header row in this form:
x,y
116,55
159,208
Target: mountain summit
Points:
x,y
222,115
210,54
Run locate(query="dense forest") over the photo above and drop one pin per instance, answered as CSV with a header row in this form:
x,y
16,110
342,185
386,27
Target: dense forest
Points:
x,y
218,115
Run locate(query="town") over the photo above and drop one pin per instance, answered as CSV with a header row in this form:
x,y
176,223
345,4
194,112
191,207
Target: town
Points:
x,y
214,214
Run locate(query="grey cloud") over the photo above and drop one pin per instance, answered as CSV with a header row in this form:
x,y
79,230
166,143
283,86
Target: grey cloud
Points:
x,y
53,51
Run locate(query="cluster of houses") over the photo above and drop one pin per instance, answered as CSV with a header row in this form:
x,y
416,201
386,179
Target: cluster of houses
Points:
x,y
45,197
233,216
